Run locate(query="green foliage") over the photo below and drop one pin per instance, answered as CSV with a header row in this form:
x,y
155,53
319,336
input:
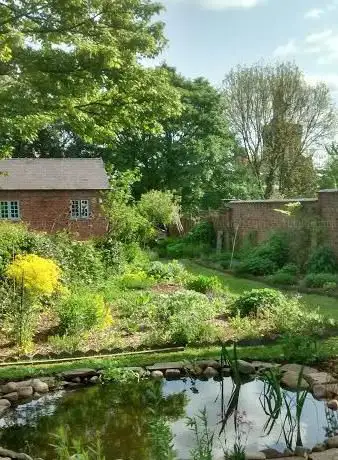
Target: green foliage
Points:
x,y
14,239
203,232
159,208
322,260
61,73
172,271
81,311
135,280
300,348
320,280
182,318
66,447
257,265
252,301
182,249
121,375
162,440
204,438
283,279
204,284
267,257
291,269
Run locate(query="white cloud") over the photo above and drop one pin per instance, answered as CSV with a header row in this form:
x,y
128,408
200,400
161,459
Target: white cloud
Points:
x,y
286,50
319,37
330,79
314,13
226,4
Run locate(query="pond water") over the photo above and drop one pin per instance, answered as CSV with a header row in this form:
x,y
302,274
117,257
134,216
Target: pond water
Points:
x,y
123,416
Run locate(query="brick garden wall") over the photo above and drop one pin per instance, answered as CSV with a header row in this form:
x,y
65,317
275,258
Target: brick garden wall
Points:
x,y
48,211
257,218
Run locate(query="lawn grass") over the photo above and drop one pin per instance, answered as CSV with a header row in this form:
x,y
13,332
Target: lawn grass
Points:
x,y
328,306
272,352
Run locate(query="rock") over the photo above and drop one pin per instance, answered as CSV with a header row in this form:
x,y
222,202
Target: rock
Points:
x,y
260,365
330,454
81,373
319,447
37,395
39,386
164,366
288,453
328,391
332,443
11,454
210,372
3,409
299,368
291,380
157,375
301,451
320,378
245,368
8,387
4,403
25,392
204,363
255,455
50,381
272,453
94,380
12,396
333,404
225,371
172,374
78,379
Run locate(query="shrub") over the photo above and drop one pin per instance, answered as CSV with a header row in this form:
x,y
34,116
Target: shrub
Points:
x,y
183,318
252,301
322,260
82,311
291,269
204,284
159,207
136,280
203,232
39,276
266,258
184,249
283,278
257,265
172,271
319,280
14,239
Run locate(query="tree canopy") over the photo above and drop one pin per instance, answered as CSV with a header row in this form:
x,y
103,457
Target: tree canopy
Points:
x,y
280,120
79,62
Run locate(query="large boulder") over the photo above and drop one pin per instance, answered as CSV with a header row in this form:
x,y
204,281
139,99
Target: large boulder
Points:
x,y
11,454
291,381
25,392
330,454
78,373
39,386
245,368
11,396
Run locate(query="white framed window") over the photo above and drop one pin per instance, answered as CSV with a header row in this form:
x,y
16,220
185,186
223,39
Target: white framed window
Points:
x,y
79,209
9,210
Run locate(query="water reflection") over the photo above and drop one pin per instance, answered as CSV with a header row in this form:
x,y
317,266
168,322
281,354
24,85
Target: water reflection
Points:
x,y
123,415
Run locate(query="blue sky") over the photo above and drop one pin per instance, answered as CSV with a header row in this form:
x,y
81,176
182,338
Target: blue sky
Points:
x,y
208,37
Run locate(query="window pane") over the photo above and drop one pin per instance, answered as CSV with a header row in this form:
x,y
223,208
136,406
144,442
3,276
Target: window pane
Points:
x,y
14,210
75,208
84,208
4,210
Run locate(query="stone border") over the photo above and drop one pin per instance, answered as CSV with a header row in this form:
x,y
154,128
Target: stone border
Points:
x,y
322,385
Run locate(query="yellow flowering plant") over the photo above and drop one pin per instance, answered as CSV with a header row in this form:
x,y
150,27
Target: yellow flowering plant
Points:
x,y
33,277
38,275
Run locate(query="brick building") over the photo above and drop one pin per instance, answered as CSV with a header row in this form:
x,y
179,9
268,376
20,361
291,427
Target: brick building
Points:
x,y
54,194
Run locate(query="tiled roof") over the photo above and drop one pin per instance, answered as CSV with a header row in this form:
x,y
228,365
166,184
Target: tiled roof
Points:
x,y
53,174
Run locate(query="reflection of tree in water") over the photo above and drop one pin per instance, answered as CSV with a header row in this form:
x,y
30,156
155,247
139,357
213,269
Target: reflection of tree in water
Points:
x,y
123,415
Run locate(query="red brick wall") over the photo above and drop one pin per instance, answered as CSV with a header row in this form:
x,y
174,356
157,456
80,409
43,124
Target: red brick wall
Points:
x,y
260,217
48,211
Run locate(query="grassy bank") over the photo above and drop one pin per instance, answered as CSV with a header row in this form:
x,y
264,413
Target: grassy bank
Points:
x,y
328,306
265,353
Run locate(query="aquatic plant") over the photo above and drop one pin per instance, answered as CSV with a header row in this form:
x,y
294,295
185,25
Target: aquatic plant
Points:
x,y
204,438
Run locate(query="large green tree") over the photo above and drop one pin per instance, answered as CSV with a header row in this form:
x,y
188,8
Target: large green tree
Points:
x,y
280,120
195,155
328,174
78,62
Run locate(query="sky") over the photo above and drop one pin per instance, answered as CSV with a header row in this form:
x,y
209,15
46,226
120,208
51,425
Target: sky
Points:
x,y
209,37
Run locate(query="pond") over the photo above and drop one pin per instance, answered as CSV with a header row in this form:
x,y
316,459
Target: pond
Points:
x,y
125,415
